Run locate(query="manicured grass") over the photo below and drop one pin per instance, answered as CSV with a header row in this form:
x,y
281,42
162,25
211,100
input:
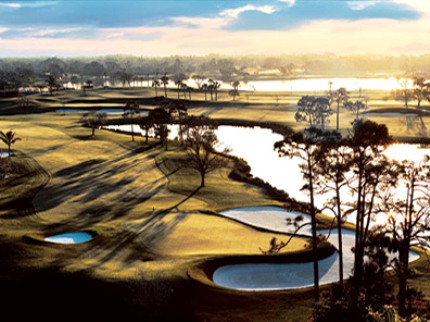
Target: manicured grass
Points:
x,y
258,106
141,208
145,208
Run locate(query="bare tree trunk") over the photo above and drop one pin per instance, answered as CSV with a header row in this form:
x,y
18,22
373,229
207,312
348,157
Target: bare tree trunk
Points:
x,y
339,233
314,233
202,182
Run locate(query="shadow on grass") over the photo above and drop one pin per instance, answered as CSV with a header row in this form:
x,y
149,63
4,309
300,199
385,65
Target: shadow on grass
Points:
x,y
416,126
19,191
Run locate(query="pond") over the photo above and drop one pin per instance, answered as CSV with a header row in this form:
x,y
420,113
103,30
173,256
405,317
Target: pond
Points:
x,y
255,145
310,84
323,84
284,173
70,238
107,111
5,154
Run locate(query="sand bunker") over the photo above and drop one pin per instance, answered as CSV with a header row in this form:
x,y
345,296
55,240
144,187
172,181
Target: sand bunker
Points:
x,y
267,276
70,238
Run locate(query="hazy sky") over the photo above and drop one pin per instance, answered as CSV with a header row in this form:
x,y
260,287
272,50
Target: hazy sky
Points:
x,y
198,27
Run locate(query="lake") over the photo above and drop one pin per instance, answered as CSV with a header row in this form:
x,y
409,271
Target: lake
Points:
x,y
298,84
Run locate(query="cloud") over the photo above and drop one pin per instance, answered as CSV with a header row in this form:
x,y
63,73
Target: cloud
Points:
x,y
29,32
419,5
362,5
199,22
28,4
51,32
10,5
289,2
234,13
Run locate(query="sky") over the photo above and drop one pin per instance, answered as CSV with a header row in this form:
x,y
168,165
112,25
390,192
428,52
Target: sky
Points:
x,y
199,27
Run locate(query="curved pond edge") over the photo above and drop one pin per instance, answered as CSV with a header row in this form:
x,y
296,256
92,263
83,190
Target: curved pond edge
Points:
x,y
40,239
203,272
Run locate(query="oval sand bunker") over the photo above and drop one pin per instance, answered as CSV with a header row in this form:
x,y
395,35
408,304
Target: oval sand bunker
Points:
x,y
271,276
70,238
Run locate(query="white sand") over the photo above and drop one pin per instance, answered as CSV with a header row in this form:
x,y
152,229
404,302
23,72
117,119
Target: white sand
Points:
x,y
258,277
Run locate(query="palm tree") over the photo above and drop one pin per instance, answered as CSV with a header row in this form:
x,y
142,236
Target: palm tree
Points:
x,y
216,86
189,89
204,87
8,138
211,87
179,81
155,84
165,81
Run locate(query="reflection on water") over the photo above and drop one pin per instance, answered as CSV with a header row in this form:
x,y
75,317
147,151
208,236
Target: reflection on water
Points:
x,y
112,111
322,84
299,84
256,147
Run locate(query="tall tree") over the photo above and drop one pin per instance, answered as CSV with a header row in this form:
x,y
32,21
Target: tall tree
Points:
x,y
165,80
211,87
155,83
179,81
333,167
234,93
178,112
131,110
198,79
94,120
160,118
205,89
339,96
372,175
52,83
355,107
303,145
421,90
146,124
216,86
201,144
408,209
405,93
9,138
313,110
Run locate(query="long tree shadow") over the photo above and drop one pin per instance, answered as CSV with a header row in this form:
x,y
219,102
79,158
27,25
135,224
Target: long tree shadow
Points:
x,y
20,206
93,179
415,125
138,240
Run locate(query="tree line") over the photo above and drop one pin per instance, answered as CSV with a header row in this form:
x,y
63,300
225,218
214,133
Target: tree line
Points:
x,y
356,165
195,134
